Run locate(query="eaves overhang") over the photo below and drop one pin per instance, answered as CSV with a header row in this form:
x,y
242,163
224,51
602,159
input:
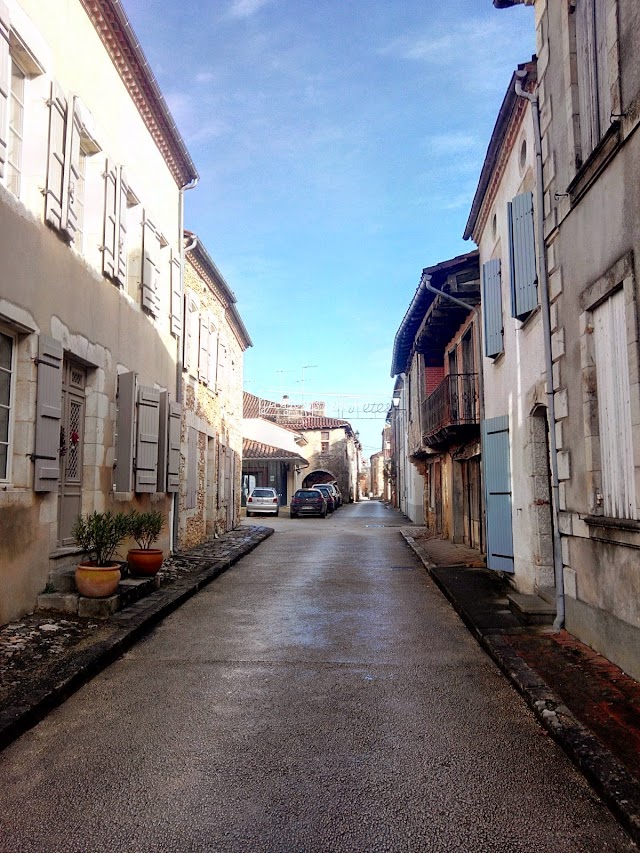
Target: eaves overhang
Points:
x,y
510,104
406,335
121,43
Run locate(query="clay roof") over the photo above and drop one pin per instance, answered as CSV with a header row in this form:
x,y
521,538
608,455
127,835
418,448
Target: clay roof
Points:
x,y
250,405
313,422
254,450
123,47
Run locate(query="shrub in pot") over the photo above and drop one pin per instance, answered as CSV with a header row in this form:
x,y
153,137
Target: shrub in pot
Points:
x,y
145,528
99,534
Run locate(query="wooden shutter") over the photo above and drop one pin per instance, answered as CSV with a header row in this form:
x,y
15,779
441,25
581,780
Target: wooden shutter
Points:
x,y
173,459
213,355
492,307
587,75
602,66
191,334
71,170
203,352
5,84
55,192
176,295
120,243
147,439
110,220
221,370
48,415
125,422
522,253
150,267
192,468
614,407
222,455
163,437
497,478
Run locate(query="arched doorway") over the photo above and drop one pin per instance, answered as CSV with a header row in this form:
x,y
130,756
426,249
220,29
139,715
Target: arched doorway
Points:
x,y
318,476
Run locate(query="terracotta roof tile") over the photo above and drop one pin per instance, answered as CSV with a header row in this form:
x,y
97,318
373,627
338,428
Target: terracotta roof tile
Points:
x,y
256,450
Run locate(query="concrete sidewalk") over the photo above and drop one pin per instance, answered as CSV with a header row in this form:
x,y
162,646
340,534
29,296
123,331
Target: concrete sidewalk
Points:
x,y
588,705
46,657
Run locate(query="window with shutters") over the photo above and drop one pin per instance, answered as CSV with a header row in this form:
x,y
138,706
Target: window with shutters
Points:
x,y
522,256
324,440
492,308
594,85
118,199
213,354
7,384
80,187
16,128
191,335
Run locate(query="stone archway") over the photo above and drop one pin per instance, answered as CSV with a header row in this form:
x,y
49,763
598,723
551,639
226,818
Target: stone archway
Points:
x,y
318,476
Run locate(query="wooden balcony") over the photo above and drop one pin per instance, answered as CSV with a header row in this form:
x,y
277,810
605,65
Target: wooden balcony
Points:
x,y
451,413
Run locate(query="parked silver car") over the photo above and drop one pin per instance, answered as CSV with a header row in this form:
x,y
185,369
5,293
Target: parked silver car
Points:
x,y
263,500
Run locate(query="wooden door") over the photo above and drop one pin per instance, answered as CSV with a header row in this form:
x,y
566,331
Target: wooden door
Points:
x,y
74,378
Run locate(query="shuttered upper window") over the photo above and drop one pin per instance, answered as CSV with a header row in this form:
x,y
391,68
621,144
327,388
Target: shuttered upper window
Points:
x,y
7,373
522,256
492,308
594,90
16,127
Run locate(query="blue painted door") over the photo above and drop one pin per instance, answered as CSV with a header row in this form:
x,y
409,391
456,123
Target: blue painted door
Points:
x,y
497,478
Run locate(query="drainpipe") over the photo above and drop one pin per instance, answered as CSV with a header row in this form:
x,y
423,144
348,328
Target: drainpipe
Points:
x,y
546,327
173,526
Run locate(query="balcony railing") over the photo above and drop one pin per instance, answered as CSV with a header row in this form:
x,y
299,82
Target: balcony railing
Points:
x,y
450,408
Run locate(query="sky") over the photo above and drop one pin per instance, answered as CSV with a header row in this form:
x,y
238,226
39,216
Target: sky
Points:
x,y
339,144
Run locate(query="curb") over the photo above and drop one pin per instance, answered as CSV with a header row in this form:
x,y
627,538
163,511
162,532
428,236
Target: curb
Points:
x,y
132,623
606,775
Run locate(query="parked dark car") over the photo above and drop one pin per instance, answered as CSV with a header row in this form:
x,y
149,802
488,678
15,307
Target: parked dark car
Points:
x,y
332,502
308,502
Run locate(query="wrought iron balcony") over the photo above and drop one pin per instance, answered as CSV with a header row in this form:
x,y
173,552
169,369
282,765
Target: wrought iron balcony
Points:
x,y
451,411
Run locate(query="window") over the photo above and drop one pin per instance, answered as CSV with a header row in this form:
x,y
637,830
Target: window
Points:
x,y
324,440
594,91
7,372
614,407
79,191
492,308
16,127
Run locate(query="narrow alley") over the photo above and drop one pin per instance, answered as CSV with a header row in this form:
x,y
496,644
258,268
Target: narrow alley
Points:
x,y
322,695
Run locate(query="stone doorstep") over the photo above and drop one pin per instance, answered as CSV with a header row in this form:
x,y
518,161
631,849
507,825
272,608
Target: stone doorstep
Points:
x,y
129,591
531,609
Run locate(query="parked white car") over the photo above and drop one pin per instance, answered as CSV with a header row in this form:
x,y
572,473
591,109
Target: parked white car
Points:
x,y
263,501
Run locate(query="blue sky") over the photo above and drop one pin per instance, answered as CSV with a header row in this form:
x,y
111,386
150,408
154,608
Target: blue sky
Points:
x,y
339,144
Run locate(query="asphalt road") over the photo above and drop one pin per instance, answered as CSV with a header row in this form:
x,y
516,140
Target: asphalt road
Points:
x,y
320,696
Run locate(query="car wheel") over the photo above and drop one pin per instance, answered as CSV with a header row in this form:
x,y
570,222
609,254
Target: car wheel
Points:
x,y
324,514
292,515
277,513
248,514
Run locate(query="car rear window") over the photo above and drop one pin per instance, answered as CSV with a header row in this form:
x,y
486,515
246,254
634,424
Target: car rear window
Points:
x,y
307,493
262,493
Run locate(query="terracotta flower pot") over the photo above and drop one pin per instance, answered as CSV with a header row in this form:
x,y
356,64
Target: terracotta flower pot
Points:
x,y
97,581
144,561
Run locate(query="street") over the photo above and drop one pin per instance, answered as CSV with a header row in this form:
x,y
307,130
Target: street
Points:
x,y
321,695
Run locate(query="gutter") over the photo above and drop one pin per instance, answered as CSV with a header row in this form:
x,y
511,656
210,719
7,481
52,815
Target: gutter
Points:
x,y
546,327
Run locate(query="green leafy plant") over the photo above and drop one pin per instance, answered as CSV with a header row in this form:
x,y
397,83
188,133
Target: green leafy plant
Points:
x,y
100,534
145,527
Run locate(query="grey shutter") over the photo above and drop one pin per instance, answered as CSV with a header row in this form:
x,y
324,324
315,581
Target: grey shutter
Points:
x,y
147,439
173,459
48,415
602,67
492,307
497,478
5,83
123,475
522,250
176,296
71,170
213,355
192,468
150,267
120,243
54,195
203,352
222,455
163,437
587,75
110,220
221,368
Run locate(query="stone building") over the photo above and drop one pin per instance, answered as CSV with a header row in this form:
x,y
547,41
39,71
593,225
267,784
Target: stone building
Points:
x,y
376,466
587,99
92,176
211,427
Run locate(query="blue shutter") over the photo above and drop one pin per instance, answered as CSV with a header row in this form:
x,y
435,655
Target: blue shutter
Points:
x,y
522,253
497,480
492,308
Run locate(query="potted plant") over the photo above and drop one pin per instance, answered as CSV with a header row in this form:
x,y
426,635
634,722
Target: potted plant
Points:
x,y
145,528
99,534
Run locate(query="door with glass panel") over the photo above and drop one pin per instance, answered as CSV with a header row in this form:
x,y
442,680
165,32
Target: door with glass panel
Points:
x,y
74,378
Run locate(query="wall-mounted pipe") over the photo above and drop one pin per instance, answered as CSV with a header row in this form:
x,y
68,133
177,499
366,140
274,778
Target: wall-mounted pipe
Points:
x,y
546,328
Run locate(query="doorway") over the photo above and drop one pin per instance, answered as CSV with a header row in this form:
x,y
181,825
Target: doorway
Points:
x,y
74,381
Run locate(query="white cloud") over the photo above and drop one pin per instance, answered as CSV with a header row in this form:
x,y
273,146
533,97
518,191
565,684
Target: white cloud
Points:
x,y
246,8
